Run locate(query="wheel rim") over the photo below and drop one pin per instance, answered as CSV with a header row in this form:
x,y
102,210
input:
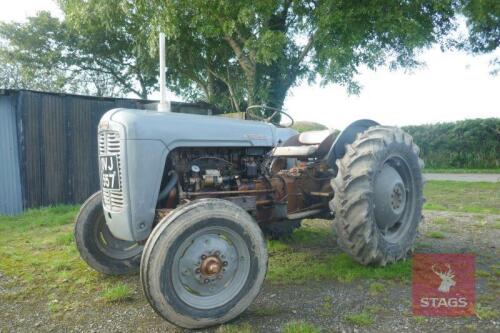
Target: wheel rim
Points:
x,y
114,247
211,267
394,198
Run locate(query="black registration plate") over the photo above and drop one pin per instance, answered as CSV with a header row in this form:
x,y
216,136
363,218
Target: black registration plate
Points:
x,y
110,172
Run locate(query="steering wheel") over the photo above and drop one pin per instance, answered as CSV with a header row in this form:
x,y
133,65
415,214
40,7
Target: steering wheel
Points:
x,y
252,115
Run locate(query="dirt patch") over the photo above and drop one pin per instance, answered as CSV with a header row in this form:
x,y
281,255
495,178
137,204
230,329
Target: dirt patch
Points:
x,y
363,304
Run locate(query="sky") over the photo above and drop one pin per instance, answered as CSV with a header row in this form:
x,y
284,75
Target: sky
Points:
x,y
452,86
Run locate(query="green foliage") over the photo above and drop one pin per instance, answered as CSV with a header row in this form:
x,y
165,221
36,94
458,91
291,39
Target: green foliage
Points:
x,y
473,143
262,48
230,53
303,126
99,48
483,20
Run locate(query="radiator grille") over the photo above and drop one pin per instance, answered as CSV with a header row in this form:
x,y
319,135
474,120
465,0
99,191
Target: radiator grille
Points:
x,y
109,144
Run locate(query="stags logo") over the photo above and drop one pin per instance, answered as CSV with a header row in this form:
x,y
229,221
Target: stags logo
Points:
x,y
443,284
447,279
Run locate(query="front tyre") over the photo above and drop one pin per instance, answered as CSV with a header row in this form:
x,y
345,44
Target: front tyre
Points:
x,y
204,264
98,247
378,196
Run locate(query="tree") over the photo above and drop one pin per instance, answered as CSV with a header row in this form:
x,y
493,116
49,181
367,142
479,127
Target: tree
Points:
x,y
483,22
236,53
272,45
303,126
98,44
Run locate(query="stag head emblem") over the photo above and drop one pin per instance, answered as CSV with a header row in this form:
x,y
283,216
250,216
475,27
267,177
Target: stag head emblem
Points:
x,y
447,279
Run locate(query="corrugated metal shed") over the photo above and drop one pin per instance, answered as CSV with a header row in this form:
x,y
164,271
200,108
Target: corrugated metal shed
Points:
x,y
48,145
10,179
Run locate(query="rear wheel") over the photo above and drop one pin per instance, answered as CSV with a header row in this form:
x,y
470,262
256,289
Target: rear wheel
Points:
x,y
378,196
98,247
204,264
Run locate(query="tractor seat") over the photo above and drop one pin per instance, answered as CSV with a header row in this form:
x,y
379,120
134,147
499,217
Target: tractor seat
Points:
x,y
307,144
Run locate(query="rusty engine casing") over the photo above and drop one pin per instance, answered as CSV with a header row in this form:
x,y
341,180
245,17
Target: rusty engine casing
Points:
x,y
248,177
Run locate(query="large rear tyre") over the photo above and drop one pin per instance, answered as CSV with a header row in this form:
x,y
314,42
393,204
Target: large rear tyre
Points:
x,y
204,264
378,196
98,247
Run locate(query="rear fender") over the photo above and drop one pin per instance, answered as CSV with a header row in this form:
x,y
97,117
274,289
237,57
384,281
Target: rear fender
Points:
x,y
347,136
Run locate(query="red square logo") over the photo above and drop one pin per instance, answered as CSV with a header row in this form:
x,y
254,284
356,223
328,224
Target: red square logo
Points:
x,y
443,284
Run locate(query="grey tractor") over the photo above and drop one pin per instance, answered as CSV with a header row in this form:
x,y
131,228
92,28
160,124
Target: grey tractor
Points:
x,y
189,200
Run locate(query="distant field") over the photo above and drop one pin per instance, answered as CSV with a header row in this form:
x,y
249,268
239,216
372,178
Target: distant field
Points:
x,y
463,197
451,170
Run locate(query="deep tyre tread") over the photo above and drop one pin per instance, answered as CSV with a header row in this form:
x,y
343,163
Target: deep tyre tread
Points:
x,y
353,203
168,235
91,213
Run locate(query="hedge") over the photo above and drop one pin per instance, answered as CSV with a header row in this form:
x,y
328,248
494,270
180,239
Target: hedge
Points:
x,y
473,143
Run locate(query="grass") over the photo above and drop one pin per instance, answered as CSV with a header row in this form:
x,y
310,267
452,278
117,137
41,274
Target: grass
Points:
x,y
419,319
118,293
486,313
376,288
441,220
483,274
311,254
231,328
290,265
469,197
300,327
436,234
360,319
37,252
326,306
266,311
460,170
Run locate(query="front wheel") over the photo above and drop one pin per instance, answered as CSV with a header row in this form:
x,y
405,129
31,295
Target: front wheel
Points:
x,y
378,196
98,247
204,264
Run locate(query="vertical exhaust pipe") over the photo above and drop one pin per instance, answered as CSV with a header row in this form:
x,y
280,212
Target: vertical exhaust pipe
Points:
x,y
164,105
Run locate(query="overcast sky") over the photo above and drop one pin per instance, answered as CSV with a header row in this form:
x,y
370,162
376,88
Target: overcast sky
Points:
x,y
452,86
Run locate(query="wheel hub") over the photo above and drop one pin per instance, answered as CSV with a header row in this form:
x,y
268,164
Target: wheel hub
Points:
x,y
211,266
212,263
390,198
